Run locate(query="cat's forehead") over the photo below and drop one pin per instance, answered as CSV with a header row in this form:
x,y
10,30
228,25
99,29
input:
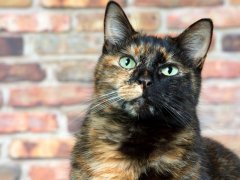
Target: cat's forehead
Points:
x,y
149,48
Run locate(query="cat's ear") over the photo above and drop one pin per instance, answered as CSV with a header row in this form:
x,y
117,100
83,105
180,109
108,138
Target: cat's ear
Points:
x,y
196,40
117,27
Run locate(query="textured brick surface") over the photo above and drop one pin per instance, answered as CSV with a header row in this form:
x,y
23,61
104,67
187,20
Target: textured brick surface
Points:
x,y
11,46
219,117
221,92
221,69
15,3
25,121
231,42
75,119
76,71
177,3
77,4
56,172
21,72
182,18
40,148
34,22
235,2
49,96
91,21
48,51
68,44
10,172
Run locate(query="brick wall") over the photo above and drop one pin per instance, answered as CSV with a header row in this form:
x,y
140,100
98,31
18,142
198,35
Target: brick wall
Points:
x,y
48,50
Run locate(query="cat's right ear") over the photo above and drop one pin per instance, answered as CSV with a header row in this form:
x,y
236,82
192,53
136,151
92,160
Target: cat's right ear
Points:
x,y
195,41
117,27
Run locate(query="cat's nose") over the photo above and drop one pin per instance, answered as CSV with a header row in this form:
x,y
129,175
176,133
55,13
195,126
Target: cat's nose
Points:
x,y
145,81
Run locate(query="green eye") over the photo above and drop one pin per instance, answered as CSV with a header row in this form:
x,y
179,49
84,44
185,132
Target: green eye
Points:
x,y
169,70
127,63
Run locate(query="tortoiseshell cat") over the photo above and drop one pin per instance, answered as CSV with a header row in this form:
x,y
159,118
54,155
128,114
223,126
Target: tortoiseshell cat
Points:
x,y
143,123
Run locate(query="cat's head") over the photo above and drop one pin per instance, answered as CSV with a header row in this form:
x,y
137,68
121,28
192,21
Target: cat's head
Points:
x,y
144,75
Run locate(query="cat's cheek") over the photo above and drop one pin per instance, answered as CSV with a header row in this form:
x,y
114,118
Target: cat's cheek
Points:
x,y
130,92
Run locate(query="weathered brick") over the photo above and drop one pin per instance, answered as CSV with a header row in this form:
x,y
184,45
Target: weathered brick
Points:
x,y
34,22
49,95
60,171
221,92
75,118
231,42
221,117
236,2
147,21
92,21
41,148
178,3
183,18
68,44
228,140
76,71
78,4
221,69
21,72
11,46
10,172
15,3
27,122
1,99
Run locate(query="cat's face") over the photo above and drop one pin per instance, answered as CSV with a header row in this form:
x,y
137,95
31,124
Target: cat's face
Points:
x,y
149,76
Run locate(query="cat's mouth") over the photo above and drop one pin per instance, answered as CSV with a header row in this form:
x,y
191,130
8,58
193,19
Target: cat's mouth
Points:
x,y
138,106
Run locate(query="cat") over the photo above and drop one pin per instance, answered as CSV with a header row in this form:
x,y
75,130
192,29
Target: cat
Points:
x,y
142,124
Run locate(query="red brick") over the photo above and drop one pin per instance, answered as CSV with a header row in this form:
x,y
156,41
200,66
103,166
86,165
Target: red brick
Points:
x,y
221,69
183,18
11,46
236,2
49,95
34,22
147,21
15,3
10,172
178,3
231,42
77,4
221,92
219,117
41,148
92,21
21,72
27,122
82,43
1,99
230,141
56,172
76,71
75,118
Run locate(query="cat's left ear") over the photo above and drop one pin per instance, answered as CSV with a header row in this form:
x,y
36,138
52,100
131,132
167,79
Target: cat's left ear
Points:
x,y
117,27
196,40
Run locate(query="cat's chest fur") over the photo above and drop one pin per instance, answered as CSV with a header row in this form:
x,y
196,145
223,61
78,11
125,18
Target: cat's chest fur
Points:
x,y
124,152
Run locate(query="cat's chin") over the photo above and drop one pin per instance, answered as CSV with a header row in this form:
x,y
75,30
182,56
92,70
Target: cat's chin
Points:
x,y
138,106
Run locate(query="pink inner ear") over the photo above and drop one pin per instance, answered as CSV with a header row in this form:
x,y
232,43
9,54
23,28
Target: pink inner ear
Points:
x,y
196,39
117,27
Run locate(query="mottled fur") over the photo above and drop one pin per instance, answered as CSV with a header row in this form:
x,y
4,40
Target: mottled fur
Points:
x,y
143,125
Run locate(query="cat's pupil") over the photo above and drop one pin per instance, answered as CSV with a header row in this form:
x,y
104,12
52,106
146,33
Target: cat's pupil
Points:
x,y
170,70
127,61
